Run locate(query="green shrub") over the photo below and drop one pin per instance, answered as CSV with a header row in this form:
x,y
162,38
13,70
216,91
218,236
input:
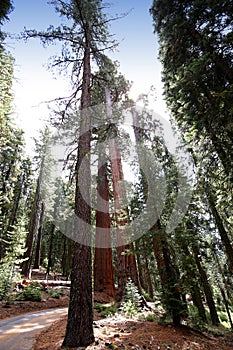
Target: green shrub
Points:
x,y
56,294
151,318
223,317
146,296
195,319
108,311
30,293
215,332
6,281
8,277
105,310
99,307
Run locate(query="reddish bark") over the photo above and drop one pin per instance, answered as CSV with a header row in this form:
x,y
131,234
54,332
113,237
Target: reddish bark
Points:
x,y
103,267
126,264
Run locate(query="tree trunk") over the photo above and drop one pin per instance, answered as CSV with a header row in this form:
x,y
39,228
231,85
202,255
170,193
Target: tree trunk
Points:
x,y
144,274
50,252
226,303
148,279
67,257
192,280
206,288
120,219
221,229
168,274
63,259
132,268
126,265
224,295
197,300
79,329
32,229
39,238
141,274
103,267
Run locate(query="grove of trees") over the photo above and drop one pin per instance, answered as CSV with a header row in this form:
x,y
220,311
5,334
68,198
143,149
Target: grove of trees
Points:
x,y
186,270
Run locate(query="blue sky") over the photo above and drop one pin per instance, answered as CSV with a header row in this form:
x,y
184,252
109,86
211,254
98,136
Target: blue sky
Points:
x,y
137,54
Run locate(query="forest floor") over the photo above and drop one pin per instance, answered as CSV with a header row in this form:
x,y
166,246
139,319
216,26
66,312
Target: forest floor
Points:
x,y
122,333
119,332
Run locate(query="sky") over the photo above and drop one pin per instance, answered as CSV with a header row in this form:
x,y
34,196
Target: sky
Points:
x,y
34,84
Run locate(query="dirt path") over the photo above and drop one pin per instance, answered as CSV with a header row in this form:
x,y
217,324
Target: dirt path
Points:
x,y
18,333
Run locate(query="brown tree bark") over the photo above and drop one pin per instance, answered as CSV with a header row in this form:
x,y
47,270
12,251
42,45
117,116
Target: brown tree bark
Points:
x,y
226,292
221,228
141,274
67,257
32,229
194,288
39,238
168,273
144,274
148,279
50,252
197,300
79,329
206,288
103,266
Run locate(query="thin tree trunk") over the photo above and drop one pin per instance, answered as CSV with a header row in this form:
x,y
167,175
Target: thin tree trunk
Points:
x,y
144,274
192,278
39,238
197,300
141,274
50,252
132,268
221,229
168,274
148,279
226,303
224,296
32,230
67,254
63,259
206,288
158,252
